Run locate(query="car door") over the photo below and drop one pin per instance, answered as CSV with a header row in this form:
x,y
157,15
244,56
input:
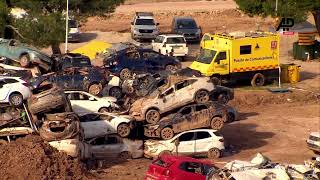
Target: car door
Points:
x,y
190,170
78,81
63,79
203,138
157,44
201,116
134,62
4,89
82,103
183,92
98,148
185,117
186,143
167,100
96,127
113,146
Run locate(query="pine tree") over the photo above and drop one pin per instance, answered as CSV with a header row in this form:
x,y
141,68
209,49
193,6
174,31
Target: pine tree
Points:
x,y
45,24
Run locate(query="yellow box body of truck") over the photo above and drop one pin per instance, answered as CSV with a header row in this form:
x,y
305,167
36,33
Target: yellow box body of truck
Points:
x,y
240,57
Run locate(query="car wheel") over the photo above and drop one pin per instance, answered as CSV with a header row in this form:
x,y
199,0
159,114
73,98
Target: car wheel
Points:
x,y
25,61
16,99
215,81
125,74
171,68
216,123
115,92
95,89
125,155
123,130
202,96
166,133
223,98
230,117
214,153
258,80
152,116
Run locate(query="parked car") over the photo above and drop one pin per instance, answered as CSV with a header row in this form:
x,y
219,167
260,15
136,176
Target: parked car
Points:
x,y
113,146
85,79
171,45
13,90
178,168
178,93
72,147
24,54
126,62
83,102
72,60
189,117
194,142
95,125
313,142
74,31
188,27
143,26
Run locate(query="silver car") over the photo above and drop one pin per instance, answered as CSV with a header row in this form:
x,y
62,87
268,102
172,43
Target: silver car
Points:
x,y
143,26
177,93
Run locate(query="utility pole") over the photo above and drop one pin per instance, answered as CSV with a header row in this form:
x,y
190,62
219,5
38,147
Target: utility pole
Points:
x,y
67,27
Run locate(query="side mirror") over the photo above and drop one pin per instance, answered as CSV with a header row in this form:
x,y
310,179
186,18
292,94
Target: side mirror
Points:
x,y
91,99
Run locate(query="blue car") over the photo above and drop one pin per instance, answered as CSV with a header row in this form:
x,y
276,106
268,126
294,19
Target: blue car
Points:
x,y
128,61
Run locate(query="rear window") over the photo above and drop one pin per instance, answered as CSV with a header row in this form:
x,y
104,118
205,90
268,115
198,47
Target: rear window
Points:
x,y
160,162
175,40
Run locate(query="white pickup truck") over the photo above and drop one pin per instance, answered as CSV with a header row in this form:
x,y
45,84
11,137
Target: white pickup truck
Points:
x,y
171,45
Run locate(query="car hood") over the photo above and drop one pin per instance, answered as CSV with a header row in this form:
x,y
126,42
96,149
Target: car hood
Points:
x,y
188,31
149,27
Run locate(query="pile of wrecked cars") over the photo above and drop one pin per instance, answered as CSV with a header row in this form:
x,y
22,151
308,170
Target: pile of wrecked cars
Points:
x,y
134,105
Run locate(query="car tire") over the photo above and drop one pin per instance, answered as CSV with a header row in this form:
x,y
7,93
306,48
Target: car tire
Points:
x,y
223,98
124,155
152,116
123,130
125,74
70,131
167,133
115,92
230,117
16,99
202,96
171,68
258,80
214,153
216,123
25,61
95,89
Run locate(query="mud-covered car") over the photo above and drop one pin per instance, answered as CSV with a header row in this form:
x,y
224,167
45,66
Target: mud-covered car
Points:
x,y
85,79
179,91
24,54
125,63
189,117
72,60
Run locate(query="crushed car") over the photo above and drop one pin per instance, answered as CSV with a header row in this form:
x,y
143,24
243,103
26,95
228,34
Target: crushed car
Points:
x,y
126,62
189,117
313,142
95,124
193,142
178,92
24,54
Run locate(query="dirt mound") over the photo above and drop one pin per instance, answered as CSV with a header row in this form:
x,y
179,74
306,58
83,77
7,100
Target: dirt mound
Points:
x,y
249,99
31,158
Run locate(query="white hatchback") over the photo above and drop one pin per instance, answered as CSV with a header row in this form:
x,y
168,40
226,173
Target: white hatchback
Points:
x,y
193,142
171,45
13,90
83,102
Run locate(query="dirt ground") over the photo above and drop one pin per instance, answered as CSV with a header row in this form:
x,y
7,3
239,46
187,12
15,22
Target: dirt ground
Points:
x,y
276,125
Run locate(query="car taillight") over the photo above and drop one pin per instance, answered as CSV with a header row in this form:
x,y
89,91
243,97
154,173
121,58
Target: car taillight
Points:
x,y
167,172
221,140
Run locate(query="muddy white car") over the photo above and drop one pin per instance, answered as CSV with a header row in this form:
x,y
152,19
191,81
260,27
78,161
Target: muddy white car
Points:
x,y
13,90
313,142
171,45
72,147
177,94
202,141
113,146
83,102
95,125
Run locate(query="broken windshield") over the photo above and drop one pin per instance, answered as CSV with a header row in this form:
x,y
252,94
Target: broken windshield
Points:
x,y
206,56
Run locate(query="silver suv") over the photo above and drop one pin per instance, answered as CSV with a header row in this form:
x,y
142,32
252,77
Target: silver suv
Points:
x,y
143,26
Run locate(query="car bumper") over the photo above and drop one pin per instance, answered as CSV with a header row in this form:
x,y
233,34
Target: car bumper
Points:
x,y
145,35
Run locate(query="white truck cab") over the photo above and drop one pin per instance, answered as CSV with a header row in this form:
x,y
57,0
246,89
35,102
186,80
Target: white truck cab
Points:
x,y
171,45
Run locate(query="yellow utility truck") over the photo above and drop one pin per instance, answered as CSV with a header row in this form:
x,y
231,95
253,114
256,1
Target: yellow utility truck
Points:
x,y
250,56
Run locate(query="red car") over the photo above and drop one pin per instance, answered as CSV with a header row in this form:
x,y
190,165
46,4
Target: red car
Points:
x,y
168,167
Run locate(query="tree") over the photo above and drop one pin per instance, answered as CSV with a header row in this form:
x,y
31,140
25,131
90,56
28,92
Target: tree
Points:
x,y
45,23
297,9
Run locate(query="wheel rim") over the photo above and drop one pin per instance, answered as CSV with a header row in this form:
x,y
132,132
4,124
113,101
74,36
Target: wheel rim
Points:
x,y
123,130
16,100
171,68
126,74
94,89
167,133
152,117
214,153
202,96
217,123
